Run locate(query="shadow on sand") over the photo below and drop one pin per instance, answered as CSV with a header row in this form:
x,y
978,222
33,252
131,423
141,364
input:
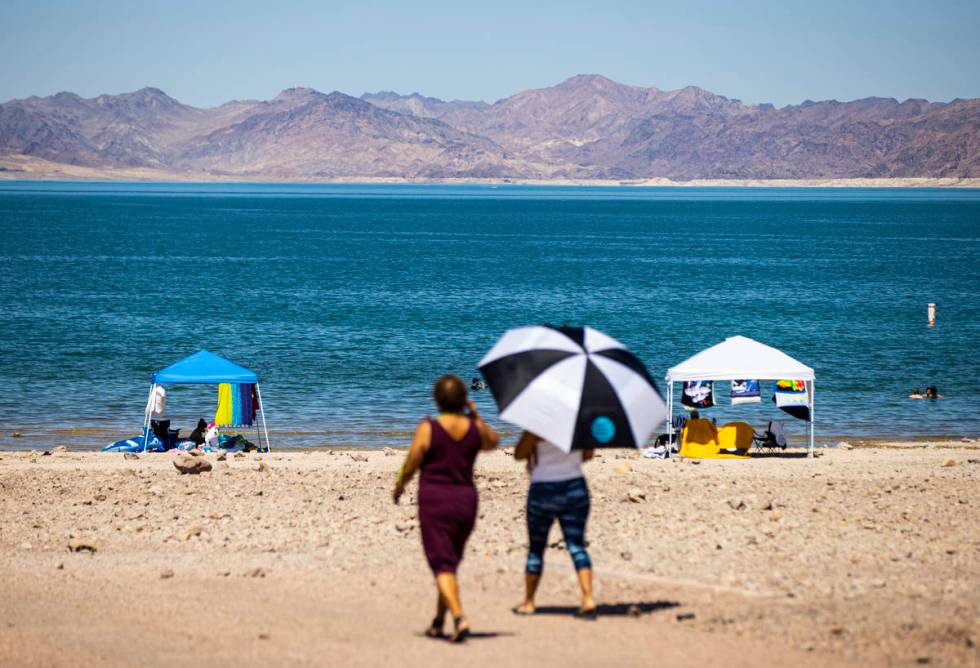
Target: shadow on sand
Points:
x,y
610,609
474,635
789,454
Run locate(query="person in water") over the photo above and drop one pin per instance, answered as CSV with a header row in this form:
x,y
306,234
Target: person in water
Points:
x,y
916,394
445,448
557,491
932,392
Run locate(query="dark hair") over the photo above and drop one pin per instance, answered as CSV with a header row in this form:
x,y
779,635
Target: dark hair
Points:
x,y
695,415
931,391
450,394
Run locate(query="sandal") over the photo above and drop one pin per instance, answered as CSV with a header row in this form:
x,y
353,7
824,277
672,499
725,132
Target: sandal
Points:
x,y
435,628
461,631
520,611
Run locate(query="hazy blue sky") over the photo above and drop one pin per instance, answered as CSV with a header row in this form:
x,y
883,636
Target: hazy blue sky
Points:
x,y
205,53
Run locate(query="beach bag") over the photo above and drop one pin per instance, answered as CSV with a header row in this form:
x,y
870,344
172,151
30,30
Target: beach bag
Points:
x,y
213,438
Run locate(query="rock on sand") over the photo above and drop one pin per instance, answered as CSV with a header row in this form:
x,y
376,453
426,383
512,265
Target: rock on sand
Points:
x,y
190,464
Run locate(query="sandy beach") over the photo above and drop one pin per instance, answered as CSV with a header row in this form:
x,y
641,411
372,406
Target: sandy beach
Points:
x,y
866,556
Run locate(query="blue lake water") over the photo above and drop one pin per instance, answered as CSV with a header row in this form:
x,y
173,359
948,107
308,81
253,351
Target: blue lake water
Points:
x,y
348,300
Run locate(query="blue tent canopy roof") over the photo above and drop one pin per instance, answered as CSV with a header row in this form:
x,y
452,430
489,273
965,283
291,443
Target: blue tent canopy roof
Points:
x,y
204,367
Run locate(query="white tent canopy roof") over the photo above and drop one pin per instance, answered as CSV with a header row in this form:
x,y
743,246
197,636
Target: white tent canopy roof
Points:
x,y
740,357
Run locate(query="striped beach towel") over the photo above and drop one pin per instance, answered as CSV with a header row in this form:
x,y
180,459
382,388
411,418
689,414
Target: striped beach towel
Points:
x,y
236,405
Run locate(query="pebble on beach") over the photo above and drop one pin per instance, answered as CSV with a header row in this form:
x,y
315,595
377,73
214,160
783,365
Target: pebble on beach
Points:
x,y
80,545
190,464
192,531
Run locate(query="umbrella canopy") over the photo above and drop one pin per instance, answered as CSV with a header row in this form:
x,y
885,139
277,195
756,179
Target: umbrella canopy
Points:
x,y
573,386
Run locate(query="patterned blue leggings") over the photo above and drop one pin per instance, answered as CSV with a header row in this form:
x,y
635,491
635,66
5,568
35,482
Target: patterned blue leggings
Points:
x,y
568,502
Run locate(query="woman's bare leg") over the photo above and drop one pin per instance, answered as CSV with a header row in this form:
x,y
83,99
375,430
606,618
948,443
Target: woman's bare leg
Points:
x,y
435,628
531,581
449,593
449,588
441,606
585,582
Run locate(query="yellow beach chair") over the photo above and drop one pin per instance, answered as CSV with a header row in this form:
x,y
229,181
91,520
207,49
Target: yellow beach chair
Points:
x,y
699,439
735,439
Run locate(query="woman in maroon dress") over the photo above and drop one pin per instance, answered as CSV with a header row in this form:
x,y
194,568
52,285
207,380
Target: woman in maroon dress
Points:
x,y
444,448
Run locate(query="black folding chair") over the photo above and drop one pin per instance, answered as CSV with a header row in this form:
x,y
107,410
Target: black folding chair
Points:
x,y
678,423
772,440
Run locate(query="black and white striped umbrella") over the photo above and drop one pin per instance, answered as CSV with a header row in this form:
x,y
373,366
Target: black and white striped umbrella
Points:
x,y
573,386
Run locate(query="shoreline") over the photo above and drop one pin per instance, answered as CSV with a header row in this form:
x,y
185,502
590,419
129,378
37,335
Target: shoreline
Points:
x,y
92,439
26,168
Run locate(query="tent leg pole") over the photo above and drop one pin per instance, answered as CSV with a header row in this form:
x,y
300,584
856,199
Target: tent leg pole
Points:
x,y
670,418
146,418
258,392
812,402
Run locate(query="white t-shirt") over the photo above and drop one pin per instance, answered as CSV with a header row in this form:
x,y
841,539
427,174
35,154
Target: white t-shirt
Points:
x,y
554,465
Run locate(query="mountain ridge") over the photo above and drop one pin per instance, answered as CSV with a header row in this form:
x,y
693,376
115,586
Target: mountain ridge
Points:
x,y
585,127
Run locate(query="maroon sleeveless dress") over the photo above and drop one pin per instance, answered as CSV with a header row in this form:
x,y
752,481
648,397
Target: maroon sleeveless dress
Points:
x,y
447,496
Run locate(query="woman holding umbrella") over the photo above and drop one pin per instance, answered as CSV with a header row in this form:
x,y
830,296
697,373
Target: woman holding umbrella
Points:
x,y
572,389
558,491
445,449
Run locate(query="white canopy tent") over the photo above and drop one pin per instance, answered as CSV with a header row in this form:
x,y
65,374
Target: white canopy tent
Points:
x,y
739,357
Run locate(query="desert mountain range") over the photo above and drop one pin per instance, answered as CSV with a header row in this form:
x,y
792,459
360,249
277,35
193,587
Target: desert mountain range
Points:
x,y
587,127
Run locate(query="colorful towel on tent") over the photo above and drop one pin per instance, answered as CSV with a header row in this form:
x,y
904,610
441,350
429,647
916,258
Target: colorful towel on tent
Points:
x,y
222,415
236,405
792,397
698,394
745,392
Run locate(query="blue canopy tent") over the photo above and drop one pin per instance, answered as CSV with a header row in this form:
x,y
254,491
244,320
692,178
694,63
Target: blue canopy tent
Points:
x,y
205,368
